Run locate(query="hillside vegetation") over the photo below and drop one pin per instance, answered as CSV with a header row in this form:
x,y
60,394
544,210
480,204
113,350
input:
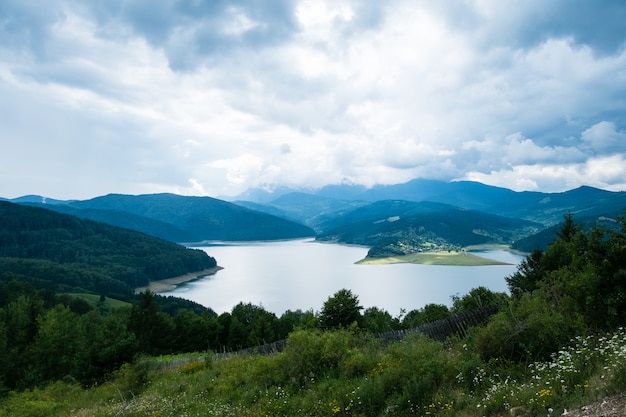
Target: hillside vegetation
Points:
x,y
556,342
67,254
397,227
343,374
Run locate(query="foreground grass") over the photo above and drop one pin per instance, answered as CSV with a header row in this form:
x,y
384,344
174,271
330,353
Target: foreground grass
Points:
x,y
342,374
435,258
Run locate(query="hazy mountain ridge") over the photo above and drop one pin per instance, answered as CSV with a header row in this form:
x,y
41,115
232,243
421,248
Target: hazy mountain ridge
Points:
x,y
545,208
184,219
309,209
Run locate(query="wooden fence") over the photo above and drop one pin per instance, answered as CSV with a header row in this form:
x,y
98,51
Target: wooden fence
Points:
x,y
456,325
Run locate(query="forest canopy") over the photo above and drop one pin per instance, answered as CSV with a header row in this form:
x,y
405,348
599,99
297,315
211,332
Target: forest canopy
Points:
x,y
65,253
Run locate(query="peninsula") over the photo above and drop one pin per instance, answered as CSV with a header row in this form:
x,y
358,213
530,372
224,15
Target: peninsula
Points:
x,y
457,258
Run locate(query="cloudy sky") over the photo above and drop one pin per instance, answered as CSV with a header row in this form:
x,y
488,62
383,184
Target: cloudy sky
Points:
x,y
211,97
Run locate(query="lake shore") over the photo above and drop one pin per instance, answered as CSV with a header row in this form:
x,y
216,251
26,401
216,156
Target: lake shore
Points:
x,y
170,284
462,258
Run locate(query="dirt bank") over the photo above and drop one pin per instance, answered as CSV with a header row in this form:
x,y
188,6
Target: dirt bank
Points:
x,y
169,284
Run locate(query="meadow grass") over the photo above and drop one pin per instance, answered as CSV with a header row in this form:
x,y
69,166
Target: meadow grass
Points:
x,y
343,374
94,301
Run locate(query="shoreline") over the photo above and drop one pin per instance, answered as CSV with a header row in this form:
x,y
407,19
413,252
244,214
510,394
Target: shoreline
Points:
x,y
169,284
211,243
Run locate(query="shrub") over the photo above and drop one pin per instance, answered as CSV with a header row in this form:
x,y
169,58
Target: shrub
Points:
x,y
131,378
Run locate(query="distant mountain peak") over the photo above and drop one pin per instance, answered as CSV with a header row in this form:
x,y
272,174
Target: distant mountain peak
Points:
x,y
38,199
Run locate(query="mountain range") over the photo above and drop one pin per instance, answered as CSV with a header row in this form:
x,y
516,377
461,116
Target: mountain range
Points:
x,y
545,208
450,213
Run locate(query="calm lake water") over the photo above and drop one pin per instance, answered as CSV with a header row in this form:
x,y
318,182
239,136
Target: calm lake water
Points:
x,y
302,274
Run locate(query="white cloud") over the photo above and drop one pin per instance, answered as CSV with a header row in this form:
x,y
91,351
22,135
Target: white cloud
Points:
x,y
212,98
605,172
603,137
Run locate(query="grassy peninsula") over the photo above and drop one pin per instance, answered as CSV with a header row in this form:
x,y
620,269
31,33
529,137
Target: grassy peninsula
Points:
x,y
457,258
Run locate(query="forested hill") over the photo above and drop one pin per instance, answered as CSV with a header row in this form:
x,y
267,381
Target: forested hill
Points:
x,y
394,227
65,253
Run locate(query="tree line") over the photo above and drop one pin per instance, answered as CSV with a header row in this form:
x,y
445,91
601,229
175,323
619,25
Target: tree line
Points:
x,y
577,286
45,336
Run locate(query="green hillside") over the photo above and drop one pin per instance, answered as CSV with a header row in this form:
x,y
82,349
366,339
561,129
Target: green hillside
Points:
x,y
549,208
64,253
545,237
97,302
397,227
126,220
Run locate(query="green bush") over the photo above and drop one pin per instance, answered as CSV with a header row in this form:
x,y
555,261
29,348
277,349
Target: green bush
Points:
x,y
40,402
131,379
311,354
414,370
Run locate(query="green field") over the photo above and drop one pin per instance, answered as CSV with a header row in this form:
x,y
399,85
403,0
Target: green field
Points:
x,y
434,258
94,301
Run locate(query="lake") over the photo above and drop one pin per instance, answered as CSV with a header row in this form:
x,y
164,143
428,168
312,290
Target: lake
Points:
x,y
302,274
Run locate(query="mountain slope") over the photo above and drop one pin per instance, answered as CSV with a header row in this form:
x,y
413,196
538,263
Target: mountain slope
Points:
x,y
127,220
549,208
545,237
65,253
403,226
310,209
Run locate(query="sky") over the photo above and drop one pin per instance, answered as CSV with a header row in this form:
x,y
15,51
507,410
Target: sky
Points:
x,y
200,97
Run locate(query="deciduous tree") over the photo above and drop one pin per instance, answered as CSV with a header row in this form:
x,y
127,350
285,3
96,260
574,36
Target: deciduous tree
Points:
x,y
341,310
